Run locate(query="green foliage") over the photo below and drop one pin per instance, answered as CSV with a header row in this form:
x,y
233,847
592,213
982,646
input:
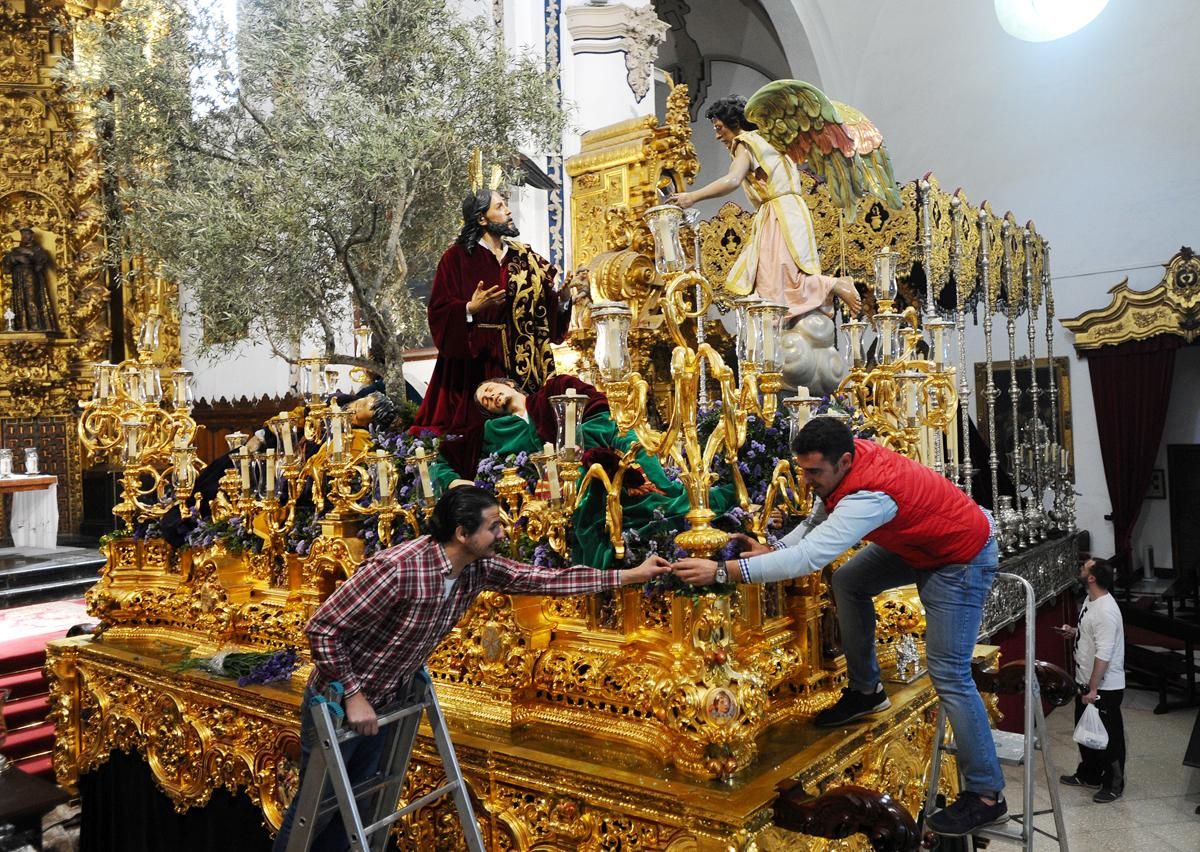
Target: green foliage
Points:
x,y
318,154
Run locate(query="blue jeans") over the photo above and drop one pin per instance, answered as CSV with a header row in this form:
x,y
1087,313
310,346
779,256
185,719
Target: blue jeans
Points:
x,y
361,754
953,597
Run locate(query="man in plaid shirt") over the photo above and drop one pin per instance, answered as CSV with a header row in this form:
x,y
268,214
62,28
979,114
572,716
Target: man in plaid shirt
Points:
x,y
376,631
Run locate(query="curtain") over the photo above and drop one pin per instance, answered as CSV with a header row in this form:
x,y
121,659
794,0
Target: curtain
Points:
x,y
1131,387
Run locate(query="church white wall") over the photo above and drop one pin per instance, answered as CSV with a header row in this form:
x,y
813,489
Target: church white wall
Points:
x,y
1090,136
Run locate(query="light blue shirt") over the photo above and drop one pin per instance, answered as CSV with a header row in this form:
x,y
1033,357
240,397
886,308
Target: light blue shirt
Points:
x,y
823,537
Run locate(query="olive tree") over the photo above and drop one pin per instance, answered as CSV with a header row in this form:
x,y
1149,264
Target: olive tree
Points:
x,y
307,161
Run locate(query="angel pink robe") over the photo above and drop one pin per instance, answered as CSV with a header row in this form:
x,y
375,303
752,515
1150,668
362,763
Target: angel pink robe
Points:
x,y
779,260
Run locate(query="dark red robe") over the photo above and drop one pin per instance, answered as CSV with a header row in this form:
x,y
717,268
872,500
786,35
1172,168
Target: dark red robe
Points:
x,y
511,339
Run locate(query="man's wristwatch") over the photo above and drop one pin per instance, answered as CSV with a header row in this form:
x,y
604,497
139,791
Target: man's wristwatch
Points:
x,y
722,575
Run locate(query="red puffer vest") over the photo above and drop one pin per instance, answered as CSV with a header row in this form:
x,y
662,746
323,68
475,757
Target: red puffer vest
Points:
x,y
936,524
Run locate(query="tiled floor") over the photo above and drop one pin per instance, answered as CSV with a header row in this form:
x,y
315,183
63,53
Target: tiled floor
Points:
x,y
1157,812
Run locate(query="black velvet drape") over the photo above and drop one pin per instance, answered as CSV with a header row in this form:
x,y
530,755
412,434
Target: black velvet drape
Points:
x,y
124,811
1131,387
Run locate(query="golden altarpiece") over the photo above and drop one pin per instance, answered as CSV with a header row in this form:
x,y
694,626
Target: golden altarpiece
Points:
x,y
656,722
51,186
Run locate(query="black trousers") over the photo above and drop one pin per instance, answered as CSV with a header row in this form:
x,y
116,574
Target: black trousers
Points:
x,y
1104,767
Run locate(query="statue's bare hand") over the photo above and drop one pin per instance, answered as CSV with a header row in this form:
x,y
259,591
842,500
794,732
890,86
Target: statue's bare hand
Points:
x,y
848,293
485,297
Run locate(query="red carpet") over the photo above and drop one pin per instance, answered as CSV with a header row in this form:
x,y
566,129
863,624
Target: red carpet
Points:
x,y
24,632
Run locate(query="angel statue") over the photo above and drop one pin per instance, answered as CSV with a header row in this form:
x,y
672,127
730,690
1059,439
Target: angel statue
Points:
x,y
785,124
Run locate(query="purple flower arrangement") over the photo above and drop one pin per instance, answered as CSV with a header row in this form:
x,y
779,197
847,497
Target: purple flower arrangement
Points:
x,y
249,667
765,445
491,469
231,532
403,445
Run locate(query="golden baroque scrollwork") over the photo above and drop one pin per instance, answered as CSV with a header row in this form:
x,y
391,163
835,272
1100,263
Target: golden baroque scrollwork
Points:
x,y
1171,307
196,736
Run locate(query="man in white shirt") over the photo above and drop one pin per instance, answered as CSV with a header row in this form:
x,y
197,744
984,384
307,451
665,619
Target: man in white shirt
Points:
x,y
1100,672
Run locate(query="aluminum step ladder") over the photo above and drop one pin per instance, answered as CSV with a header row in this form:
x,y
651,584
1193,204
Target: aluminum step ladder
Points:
x,y
326,769
1013,750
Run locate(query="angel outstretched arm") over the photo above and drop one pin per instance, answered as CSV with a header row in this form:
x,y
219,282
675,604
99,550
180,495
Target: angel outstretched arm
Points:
x,y
721,186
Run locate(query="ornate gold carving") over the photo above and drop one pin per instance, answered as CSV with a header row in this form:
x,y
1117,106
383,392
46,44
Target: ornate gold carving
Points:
x,y
1171,307
49,180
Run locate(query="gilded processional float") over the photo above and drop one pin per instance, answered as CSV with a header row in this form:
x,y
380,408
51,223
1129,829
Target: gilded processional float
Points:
x,y
656,719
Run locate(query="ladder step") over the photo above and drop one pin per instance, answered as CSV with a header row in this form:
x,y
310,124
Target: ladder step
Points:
x,y
385,719
412,806
1010,747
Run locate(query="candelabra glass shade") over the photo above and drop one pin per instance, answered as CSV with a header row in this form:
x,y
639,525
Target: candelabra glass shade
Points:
x,y
664,222
853,332
148,338
332,376
6,466
131,447
338,426
258,471
312,378
236,440
31,460
151,383
383,473
181,390
766,325
568,411
746,343
103,388
800,411
885,275
887,327
362,342
183,474
910,382
286,431
612,321
941,344
134,389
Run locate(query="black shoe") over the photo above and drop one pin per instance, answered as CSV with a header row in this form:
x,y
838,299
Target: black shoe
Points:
x,y
1076,781
967,815
1106,796
852,705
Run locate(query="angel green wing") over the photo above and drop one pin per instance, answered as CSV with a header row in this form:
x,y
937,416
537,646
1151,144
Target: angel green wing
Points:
x,y
840,143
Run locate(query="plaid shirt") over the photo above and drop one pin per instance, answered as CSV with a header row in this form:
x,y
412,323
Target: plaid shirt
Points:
x,y
381,625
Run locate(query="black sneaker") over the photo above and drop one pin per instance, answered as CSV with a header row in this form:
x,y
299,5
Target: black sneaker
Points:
x,y
852,705
967,815
1076,781
1106,796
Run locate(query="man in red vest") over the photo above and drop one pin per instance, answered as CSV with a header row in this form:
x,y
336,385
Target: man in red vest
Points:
x,y
921,529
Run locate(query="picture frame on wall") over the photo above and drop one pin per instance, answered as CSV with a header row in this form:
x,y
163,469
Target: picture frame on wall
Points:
x,y
1006,430
1158,485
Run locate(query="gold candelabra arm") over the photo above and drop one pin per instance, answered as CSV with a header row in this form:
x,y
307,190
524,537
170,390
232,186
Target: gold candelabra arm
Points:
x,y
613,510
783,491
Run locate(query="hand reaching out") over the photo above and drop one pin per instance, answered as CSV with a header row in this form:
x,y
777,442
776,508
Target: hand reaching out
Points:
x,y
648,570
748,546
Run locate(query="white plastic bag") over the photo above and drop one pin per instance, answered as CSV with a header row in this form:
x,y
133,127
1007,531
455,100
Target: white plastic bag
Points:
x,y
1090,732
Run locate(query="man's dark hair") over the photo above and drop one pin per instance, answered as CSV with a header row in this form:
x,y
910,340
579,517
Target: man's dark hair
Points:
x,y
460,507
825,435
1102,570
731,112
503,380
474,207
383,410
